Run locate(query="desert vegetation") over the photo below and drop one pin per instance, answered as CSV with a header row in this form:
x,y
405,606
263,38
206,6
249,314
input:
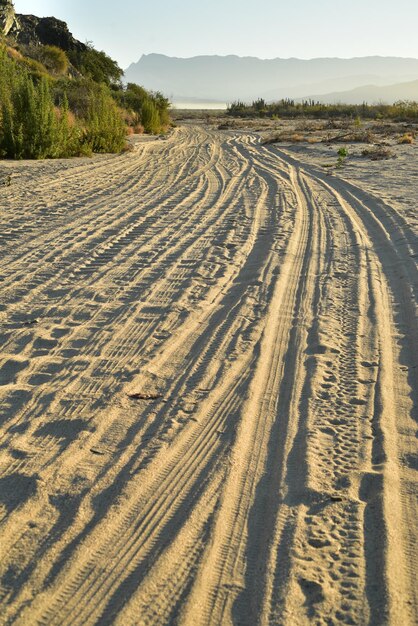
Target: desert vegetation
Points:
x,y
355,138
58,104
288,108
151,110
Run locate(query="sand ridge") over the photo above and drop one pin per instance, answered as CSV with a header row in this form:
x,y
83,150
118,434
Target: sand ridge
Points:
x,y
209,392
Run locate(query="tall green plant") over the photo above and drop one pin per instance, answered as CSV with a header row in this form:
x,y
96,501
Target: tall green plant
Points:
x,y
150,117
152,108
29,121
36,123
106,130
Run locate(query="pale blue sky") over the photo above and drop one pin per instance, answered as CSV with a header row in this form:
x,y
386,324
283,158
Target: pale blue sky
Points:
x,y
126,29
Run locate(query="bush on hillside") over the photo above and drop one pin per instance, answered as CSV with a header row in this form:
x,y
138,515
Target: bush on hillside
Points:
x,y
31,126
53,58
45,113
36,68
96,65
38,122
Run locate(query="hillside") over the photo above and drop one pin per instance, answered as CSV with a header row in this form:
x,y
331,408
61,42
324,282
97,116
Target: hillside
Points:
x,y
373,94
61,98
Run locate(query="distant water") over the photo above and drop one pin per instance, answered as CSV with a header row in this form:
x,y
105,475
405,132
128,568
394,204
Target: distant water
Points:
x,y
199,104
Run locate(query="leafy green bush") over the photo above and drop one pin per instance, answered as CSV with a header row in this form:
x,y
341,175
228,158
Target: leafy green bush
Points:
x,y
27,112
149,117
163,106
53,58
44,113
106,131
96,65
134,96
342,155
32,127
37,122
151,109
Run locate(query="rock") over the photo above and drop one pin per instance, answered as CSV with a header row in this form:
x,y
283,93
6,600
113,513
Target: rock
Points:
x,y
46,31
7,16
32,30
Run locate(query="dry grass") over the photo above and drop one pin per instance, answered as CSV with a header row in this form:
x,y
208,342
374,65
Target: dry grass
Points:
x,y
14,54
314,140
311,126
284,136
378,153
353,136
407,138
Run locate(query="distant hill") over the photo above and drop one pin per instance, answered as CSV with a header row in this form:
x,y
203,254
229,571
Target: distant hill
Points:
x,y
231,77
373,94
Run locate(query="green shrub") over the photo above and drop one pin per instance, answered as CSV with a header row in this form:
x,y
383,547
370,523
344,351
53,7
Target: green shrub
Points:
x,y
36,68
150,117
32,127
96,65
37,123
163,106
151,109
342,155
45,114
28,121
54,59
106,131
78,92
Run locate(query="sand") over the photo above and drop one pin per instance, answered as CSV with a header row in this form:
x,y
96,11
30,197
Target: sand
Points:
x,y
208,383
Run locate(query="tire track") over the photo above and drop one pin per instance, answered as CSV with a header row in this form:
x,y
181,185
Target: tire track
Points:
x,y
270,311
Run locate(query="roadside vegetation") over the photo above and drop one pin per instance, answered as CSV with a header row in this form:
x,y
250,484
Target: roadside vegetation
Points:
x,y
54,104
288,109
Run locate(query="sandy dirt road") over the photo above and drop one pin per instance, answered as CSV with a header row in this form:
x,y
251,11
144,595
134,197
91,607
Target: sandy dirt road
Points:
x,y
208,388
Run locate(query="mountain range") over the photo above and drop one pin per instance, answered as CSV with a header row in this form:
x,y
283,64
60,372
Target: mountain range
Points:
x,y
230,78
372,94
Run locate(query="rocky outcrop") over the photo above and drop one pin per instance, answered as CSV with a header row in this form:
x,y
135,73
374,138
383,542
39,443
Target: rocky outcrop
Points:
x,y
29,29
7,16
32,30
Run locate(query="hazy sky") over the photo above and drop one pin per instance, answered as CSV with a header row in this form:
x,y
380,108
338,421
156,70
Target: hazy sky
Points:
x,y
126,29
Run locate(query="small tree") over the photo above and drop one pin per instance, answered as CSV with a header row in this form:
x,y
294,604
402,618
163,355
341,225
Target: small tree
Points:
x,y
163,105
